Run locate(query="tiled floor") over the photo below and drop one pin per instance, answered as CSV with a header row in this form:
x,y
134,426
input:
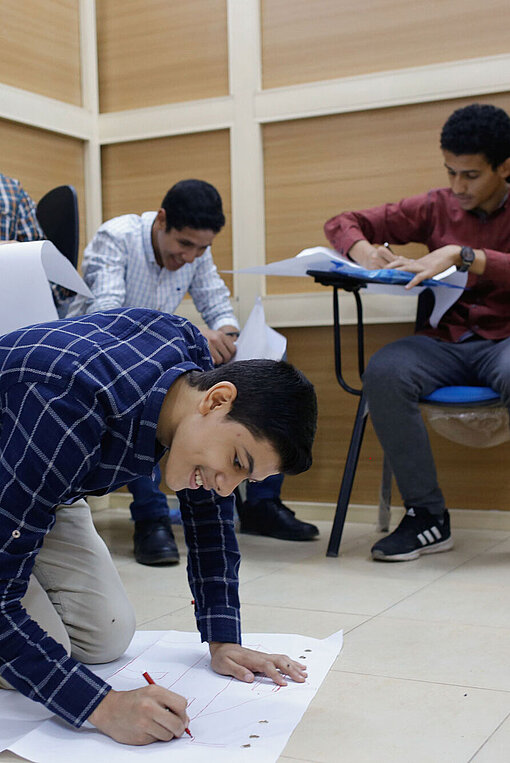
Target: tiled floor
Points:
x,y
424,674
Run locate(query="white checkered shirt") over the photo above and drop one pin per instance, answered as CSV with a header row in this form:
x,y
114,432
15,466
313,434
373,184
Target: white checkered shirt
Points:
x,y
120,269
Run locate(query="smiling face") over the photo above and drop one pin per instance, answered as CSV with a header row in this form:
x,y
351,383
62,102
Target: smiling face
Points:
x,y
475,184
175,248
206,448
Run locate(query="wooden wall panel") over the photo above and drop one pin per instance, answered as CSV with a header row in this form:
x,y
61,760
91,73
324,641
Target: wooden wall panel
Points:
x,y
304,41
316,168
154,51
137,175
40,47
41,160
485,484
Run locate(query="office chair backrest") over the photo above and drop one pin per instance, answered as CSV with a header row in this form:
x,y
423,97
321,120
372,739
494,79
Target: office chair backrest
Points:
x,y
57,213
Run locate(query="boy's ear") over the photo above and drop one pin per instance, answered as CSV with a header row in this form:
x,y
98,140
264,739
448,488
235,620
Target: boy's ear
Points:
x,y
161,219
504,168
221,395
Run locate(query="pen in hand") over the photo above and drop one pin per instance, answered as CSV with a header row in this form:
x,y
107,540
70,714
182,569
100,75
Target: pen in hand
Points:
x,y
150,680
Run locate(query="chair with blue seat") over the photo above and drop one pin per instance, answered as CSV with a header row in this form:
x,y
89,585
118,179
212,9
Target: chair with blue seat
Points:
x,y
454,399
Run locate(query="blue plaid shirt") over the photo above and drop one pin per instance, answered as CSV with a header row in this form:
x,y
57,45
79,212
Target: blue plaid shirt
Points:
x,y
80,401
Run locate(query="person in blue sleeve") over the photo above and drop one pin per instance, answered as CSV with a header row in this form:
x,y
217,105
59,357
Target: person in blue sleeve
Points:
x,y
88,404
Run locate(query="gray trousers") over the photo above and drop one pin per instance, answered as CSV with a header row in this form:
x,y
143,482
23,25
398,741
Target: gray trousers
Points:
x,y
75,593
402,372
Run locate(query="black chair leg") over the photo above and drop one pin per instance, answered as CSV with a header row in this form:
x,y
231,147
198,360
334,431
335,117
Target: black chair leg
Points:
x,y
348,477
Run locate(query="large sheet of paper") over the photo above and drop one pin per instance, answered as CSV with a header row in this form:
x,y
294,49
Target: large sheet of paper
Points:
x,y
257,339
25,294
230,721
384,281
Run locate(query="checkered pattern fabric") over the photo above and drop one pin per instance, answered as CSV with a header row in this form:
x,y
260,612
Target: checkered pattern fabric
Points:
x,y
80,401
18,220
120,269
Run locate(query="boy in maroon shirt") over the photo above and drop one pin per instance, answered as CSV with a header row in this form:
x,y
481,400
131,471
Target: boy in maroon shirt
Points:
x,y
468,226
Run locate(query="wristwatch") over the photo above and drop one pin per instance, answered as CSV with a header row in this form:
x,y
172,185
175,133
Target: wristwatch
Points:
x,y
467,257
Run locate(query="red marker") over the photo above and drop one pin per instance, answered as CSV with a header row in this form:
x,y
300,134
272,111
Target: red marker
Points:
x,y
149,680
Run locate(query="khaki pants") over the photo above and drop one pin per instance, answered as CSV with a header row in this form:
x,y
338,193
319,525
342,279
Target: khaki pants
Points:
x,y
75,593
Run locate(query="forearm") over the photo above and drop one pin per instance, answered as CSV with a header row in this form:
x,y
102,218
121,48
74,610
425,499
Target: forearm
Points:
x,y
39,668
362,252
213,563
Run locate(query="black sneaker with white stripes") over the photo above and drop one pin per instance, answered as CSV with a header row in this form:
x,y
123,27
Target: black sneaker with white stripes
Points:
x,y
419,532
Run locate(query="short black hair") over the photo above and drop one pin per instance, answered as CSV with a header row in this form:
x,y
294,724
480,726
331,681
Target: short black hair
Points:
x,y
193,204
478,129
275,402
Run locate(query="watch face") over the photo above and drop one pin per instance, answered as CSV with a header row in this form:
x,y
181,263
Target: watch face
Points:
x,y
467,256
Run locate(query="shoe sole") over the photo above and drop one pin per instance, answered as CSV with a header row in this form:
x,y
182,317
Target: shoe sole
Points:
x,y
445,545
278,537
150,561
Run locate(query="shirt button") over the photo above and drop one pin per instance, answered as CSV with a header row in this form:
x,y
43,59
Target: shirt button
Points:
x,y
16,533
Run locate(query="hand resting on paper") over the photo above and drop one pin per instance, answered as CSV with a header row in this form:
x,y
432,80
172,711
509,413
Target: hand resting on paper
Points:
x,y
241,663
221,346
435,262
141,716
370,256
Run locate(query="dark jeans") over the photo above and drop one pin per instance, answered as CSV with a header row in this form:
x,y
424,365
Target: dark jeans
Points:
x,y
398,375
150,503
148,500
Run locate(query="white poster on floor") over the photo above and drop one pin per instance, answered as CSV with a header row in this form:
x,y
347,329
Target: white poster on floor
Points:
x,y
230,721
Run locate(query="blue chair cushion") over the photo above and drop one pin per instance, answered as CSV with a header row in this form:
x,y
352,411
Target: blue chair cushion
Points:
x,y
461,395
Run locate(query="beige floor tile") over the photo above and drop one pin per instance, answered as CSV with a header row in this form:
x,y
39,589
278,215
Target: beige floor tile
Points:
x,y
446,653
351,584
476,593
497,748
362,719
152,606
256,619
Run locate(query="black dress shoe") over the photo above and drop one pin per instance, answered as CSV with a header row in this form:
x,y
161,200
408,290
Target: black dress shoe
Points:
x,y
272,518
155,542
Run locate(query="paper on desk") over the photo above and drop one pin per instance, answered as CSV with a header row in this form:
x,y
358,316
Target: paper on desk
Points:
x,y
230,720
328,260
25,294
257,339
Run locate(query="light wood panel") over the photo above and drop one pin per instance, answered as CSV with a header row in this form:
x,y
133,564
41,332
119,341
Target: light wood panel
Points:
x,y
40,48
41,160
304,41
154,51
470,478
315,168
137,175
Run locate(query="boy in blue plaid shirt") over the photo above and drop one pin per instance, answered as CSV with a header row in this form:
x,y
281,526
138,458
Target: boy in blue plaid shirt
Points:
x,y
87,404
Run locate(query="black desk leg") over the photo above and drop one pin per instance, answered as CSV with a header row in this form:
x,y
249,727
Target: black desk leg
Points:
x,y
348,477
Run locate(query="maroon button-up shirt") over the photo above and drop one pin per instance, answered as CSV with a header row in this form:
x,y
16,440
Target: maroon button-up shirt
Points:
x,y
436,219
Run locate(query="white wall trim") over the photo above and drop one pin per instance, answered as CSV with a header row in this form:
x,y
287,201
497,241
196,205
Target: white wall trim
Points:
x,y
90,97
45,113
163,121
398,87
246,155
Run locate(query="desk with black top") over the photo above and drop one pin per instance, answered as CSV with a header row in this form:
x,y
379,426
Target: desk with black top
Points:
x,y
346,283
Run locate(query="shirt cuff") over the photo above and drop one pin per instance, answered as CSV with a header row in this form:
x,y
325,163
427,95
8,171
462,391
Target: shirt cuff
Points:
x,y
224,322
222,624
